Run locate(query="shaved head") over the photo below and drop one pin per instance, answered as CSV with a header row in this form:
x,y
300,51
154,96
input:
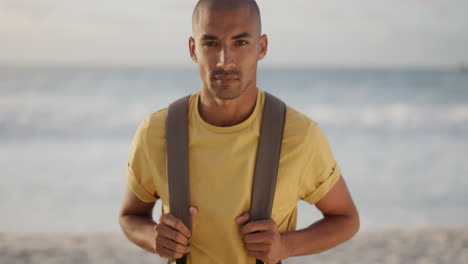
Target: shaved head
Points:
x,y
225,6
227,44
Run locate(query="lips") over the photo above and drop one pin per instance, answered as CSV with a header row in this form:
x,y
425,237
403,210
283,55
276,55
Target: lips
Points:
x,y
226,79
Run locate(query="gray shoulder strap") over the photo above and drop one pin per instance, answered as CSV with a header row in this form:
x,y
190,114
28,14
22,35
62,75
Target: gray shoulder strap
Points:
x,y
177,160
266,168
268,154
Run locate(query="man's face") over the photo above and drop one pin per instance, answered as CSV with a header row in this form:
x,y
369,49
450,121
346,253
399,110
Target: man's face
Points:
x,y
227,45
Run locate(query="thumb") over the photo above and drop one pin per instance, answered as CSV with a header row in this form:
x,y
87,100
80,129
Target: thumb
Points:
x,y
244,218
193,210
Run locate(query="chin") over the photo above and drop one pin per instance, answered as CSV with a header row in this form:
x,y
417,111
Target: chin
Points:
x,y
227,92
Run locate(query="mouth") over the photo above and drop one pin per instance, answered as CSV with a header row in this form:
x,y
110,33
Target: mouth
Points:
x,y
226,79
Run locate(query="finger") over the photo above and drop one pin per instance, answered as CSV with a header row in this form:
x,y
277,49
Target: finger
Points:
x,y
168,232
257,255
261,247
173,246
175,223
261,237
244,218
256,226
168,254
193,210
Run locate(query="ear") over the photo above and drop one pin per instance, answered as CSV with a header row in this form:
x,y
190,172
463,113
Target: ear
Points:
x,y
192,49
263,46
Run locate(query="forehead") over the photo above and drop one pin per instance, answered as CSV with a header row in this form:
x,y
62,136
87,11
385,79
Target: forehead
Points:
x,y
225,22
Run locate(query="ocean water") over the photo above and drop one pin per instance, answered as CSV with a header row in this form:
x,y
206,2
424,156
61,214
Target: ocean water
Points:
x,y
400,137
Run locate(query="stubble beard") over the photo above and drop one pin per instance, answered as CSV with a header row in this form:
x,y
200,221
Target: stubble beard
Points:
x,y
227,92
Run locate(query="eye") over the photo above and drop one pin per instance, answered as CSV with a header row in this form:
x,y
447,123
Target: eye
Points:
x,y
209,43
241,42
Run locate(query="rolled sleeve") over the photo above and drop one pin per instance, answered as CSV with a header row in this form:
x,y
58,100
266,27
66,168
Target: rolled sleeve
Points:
x,y
138,189
140,167
321,171
323,187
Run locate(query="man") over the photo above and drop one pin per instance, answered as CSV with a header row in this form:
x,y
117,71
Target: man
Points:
x,y
224,123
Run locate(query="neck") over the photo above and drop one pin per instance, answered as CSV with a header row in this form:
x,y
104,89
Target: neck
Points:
x,y
220,112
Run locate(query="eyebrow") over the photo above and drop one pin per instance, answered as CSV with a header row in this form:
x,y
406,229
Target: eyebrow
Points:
x,y
209,37
241,35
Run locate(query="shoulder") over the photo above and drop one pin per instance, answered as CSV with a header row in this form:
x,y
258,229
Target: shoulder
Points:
x,y
298,126
294,117
152,128
156,119
303,133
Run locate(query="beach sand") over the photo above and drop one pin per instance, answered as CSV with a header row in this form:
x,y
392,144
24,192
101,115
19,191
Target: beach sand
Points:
x,y
391,246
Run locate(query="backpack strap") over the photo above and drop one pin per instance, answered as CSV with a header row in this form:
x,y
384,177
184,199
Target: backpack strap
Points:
x,y
268,154
178,162
266,167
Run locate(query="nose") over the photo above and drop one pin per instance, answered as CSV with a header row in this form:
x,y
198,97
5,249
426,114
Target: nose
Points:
x,y
226,59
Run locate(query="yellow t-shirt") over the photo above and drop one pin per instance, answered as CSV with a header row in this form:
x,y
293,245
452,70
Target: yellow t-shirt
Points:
x,y
222,161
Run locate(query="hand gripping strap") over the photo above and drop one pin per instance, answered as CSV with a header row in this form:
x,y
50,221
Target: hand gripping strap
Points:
x,y
178,162
268,154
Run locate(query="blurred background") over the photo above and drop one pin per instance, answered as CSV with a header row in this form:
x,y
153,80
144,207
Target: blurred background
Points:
x,y
386,80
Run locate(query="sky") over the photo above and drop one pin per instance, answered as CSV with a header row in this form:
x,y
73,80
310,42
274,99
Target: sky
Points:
x,y
376,33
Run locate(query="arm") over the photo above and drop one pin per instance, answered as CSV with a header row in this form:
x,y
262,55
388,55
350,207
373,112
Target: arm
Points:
x,y
169,239
136,221
340,222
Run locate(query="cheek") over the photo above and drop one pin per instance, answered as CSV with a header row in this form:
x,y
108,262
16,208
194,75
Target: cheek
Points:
x,y
204,72
206,58
204,63
249,65
248,58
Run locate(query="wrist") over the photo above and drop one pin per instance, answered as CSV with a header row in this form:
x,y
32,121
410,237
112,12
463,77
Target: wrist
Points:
x,y
285,247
